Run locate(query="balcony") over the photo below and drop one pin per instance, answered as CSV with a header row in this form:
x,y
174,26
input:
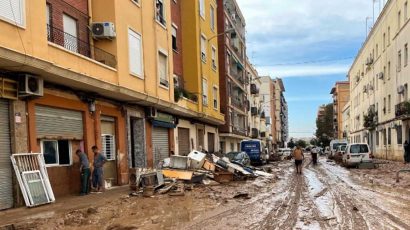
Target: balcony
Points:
x,y
263,134
254,111
237,102
403,109
254,89
74,44
263,115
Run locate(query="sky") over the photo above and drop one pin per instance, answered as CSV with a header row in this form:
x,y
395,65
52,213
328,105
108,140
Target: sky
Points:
x,y
311,44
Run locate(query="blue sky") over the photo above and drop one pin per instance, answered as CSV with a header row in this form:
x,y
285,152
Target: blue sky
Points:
x,y
281,33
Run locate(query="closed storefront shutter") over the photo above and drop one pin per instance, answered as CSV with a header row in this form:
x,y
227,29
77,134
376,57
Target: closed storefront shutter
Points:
x,y
6,192
183,141
58,123
211,142
160,144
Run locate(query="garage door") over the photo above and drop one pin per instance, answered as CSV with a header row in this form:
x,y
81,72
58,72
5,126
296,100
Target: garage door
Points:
x,y
6,192
183,141
160,144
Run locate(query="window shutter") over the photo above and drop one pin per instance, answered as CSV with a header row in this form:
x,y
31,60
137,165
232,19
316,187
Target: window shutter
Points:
x,y
12,10
135,52
162,66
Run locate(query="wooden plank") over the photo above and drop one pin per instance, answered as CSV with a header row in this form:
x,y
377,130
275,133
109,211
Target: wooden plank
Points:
x,y
177,174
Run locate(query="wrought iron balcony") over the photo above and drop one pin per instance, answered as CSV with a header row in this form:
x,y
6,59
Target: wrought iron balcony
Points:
x,y
403,109
254,111
76,45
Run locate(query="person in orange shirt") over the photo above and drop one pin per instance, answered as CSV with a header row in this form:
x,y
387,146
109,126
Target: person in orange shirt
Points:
x,y
299,157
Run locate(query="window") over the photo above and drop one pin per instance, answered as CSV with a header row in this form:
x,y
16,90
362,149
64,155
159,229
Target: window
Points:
x,y
174,38
56,152
48,18
406,54
212,18
399,20
377,138
213,58
108,146
204,92
384,105
359,148
163,69
399,61
385,137
12,11
384,41
203,48
232,147
160,12
405,12
388,36
228,63
202,8
399,132
377,51
135,53
388,70
70,33
389,104
215,97
389,137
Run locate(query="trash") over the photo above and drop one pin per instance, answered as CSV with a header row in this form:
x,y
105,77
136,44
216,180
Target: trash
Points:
x,y
178,162
209,166
262,173
231,167
167,188
178,191
31,173
167,162
355,208
148,191
178,174
196,159
209,182
239,157
242,195
321,193
197,178
152,179
223,177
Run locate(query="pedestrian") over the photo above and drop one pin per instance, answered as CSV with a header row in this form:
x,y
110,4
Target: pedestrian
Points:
x,y
84,172
98,172
406,147
314,155
298,156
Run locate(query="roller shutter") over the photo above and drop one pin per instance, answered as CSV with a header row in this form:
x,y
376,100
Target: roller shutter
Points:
x,y
160,144
58,123
6,192
183,141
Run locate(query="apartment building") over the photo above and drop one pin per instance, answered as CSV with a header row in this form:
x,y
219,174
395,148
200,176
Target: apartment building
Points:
x,y
232,59
346,121
90,72
268,105
196,74
256,115
378,79
340,94
281,113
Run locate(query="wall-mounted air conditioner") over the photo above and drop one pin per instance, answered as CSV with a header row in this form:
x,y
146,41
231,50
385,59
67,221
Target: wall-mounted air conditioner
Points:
x,y
30,85
151,112
400,89
103,30
380,75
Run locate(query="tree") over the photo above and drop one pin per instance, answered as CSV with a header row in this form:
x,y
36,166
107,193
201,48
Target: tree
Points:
x,y
301,143
324,125
291,143
313,141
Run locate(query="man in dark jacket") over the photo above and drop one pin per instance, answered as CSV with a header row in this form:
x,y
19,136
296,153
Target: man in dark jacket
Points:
x,y
84,171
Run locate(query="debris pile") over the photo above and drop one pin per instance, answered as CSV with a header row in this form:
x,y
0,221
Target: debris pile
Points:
x,y
179,173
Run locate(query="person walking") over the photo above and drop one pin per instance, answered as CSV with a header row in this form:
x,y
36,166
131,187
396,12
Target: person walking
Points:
x,y
98,173
84,172
298,156
314,155
406,147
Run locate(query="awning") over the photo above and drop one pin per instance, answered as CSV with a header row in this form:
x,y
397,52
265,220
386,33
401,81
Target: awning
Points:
x,y
163,124
238,64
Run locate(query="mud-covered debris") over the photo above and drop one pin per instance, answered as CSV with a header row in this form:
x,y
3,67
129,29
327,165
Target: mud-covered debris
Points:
x,y
242,196
321,193
92,210
121,227
355,209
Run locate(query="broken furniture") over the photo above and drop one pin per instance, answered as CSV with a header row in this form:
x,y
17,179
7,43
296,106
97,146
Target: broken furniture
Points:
x,y
196,159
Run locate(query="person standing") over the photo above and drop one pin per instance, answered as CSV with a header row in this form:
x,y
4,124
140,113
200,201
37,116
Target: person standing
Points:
x,y
84,172
406,152
98,172
298,156
314,155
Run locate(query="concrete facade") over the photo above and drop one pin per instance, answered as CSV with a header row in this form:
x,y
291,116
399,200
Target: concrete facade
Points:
x,y
379,85
341,96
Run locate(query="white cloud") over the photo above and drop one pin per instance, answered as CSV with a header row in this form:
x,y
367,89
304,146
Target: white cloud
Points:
x,y
303,70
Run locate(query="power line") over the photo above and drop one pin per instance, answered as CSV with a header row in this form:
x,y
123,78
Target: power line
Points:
x,y
310,62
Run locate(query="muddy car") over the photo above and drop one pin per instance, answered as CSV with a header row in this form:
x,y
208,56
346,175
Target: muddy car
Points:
x,y
338,157
356,154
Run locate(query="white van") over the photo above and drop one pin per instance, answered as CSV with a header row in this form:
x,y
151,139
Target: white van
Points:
x,y
356,154
334,144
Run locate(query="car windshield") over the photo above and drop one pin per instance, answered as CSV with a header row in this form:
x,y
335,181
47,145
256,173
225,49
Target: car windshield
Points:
x,y
359,149
343,147
336,145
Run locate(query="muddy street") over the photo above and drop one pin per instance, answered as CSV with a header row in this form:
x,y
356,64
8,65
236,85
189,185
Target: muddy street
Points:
x,y
325,196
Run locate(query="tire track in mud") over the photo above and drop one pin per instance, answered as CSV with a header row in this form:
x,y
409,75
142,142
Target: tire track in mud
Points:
x,y
369,211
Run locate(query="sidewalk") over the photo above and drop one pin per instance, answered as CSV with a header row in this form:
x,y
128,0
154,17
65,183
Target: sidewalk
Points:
x,y
62,205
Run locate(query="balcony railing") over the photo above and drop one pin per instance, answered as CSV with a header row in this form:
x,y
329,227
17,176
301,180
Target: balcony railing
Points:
x,y
76,45
403,109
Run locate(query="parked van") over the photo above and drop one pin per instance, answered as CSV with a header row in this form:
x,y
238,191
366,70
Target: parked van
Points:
x,y
356,154
255,150
334,144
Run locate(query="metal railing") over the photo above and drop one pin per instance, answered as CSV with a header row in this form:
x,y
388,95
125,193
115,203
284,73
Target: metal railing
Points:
x,y
74,44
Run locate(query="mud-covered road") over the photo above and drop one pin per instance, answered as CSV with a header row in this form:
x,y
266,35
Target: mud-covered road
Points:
x,y
325,196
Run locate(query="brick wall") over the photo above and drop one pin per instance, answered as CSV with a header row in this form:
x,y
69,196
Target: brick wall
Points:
x,y
177,54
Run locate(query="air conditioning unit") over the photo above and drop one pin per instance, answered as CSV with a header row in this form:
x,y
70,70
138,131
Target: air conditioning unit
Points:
x,y
365,89
369,61
30,85
357,78
400,89
103,30
380,75
151,112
